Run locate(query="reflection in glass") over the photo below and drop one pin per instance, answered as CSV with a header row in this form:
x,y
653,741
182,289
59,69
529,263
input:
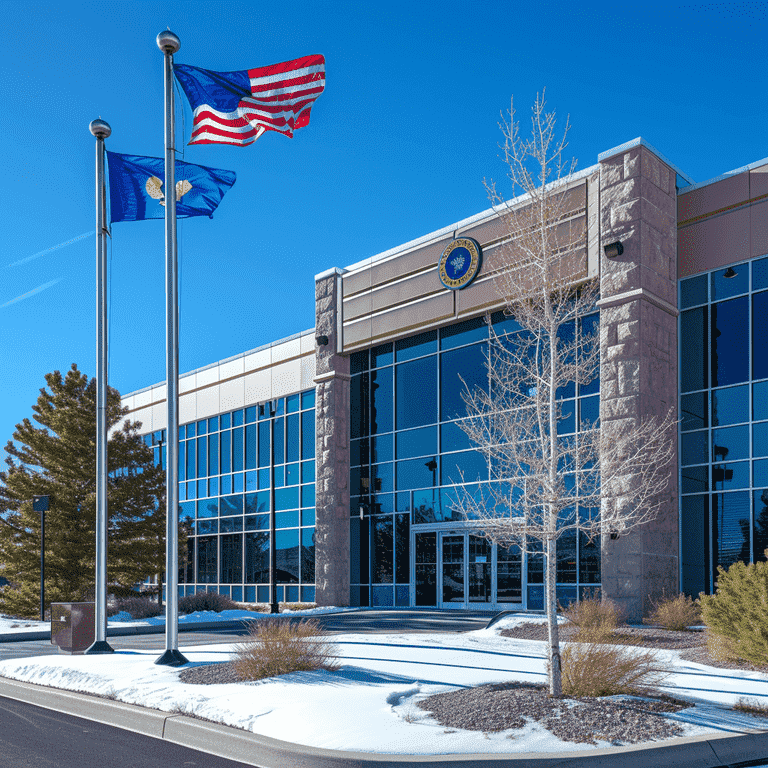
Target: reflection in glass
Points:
x,y
760,401
416,393
417,442
453,569
453,438
693,411
416,473
287,559
589,559
730,527
463,333
760,530
730,405
693,291
730,353
358,406
381,400
469,465
461,370
694,538
206,560
726,477
382,355
730,443
760,439
232,559
591,325
402,548
381,551
358,548
737,282
257,557
416,346
693,349
694,448
509,574
566,558
479,569
308,555
694,479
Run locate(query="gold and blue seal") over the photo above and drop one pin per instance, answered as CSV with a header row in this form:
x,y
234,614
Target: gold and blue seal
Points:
x,y
460,262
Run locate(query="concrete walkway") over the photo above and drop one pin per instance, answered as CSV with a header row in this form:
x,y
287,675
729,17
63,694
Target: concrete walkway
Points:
x,y
248,748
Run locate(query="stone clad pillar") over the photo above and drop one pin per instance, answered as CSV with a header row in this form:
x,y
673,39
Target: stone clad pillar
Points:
x,y
331,447
638,354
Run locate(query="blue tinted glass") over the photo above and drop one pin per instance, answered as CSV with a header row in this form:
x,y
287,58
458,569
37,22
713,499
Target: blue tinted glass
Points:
x,y
760,401
257,523
308,435
213,454
759,274
381,400
359,452
308,495
358,362
724,287
463,333
279,478
730,406
693,291
226,484
503,323
566,558
469,464
730,535
256,502
237,449
182,454
226,420
567,423
403,502
694,480
308,518
213,424
460,370
237,483
760,335
230,525
231,505
264,429
589,410
207,526
693,349
292,474
453,438
292,438
292,403
251,481
381,550
182,431
191,462
287,498
202,427
237,418
191,430
213,486
187,511
416,473
382,477
359,390
693,411
760,439
590,326
760,473
207,508
760,529
566,335
250,446
730,443
307,399
417,442
280,407
192,490
381,448
382,355
416,346
416,393
426,507
264,477
287,519
202,456
308,472
726,477
278,447
287,546
226,452
250,414
694,538
730,333
694,448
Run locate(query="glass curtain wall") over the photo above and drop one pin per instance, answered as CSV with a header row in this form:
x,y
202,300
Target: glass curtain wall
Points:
x,y
408,455
723,366
226,466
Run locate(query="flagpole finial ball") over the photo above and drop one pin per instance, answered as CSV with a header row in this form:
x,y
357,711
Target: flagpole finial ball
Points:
x,y
100,128
167,42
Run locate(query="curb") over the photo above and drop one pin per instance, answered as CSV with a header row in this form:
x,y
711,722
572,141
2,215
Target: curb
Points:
x,y
265,752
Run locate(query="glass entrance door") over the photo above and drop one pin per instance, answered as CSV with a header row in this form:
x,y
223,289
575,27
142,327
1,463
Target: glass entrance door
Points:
x,y
453,568
479,566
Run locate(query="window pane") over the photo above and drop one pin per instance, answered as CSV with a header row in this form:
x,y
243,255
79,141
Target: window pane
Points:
x,y
250,446
264,443
759,274
693,411
567,424
417,393
308,472
417,442
730,443
463,333
759,336
257,523
730,332
416,473
470,464
694,448
278,447
760,532
381,565
358,550
381,400
308,555
292,438
760,401
382,355
237,449
453,438
565,335
728,476
358,406
381,448
207,571
416,346
402,549
232,559
694,536
287,519
693,349
257,502
723,287
226,452
693,291
590,325
730,527
231,505
207,508
694,480
292,404
202,426
287,498
759,473
566,558
589,559
308,399
467,364
191,461
257,557
382,477
589,410
760,439
182,454
287,560
213,454
730,406
308,435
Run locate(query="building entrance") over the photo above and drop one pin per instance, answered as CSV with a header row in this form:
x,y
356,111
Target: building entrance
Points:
x,y
459,569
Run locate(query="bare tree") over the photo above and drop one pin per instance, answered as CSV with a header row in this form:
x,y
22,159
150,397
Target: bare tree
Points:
x,y
543,484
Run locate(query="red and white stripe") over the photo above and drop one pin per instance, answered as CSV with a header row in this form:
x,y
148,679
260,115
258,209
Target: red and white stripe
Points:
x,y
281,98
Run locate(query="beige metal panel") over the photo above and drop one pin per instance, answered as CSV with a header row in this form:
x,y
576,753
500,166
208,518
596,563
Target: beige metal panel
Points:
x,y
286,378
159,393
356,282
286,350
188,408
258,387
208,402
260,359
308,371
729,191
129,402
159,416
357,306
208,376
713,242
759,228
411,318
308,343
231,368
407,290
478,297
357,333
408,263
487,231
143,415
232,394
142,399
187,383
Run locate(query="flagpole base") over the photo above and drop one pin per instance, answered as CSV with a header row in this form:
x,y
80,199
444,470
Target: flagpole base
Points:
x,y
99,646
172,658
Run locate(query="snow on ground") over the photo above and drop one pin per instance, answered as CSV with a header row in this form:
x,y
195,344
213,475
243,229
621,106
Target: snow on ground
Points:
x,y
9,625
369,703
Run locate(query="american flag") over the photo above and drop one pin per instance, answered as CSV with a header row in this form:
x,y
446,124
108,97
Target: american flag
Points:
x,y
237,107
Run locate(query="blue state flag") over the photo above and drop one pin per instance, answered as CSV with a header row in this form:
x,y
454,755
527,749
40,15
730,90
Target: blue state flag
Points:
x,y
137,188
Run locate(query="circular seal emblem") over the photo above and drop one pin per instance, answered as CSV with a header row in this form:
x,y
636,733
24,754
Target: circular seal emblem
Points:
x,y
460,263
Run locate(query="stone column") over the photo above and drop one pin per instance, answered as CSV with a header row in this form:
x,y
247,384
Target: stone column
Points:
x,y
331,446
638,355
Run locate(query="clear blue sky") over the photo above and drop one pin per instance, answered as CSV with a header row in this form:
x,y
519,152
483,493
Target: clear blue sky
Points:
x,y
398,146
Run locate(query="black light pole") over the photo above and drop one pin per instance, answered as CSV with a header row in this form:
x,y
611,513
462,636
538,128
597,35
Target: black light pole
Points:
x,y
40,504
273,606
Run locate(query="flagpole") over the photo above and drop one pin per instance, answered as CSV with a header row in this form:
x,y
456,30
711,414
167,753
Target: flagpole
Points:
x,y
169,43
101,130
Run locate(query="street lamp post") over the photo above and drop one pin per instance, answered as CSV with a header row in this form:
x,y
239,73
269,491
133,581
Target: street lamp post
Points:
x,y
40,504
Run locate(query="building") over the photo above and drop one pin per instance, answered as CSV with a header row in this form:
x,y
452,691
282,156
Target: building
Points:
x,y
360,411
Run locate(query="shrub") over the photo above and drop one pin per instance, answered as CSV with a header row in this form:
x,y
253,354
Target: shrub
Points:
x,y
277,647
206,601
738,612
594,617
593,669
677,613
138,607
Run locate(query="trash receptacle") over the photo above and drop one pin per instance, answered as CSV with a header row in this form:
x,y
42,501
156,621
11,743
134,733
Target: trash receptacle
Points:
x,y
73,626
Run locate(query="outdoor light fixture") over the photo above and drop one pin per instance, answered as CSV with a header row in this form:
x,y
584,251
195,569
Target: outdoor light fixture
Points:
x,y
730,272
322,341
613,250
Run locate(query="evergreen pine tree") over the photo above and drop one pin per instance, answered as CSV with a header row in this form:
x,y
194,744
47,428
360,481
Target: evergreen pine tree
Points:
x,y
58,459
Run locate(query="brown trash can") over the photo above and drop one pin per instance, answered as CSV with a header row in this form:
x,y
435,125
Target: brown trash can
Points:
x,y
73,626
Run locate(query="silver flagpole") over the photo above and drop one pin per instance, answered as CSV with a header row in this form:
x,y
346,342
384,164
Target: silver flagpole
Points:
x,y
169,43
101,131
